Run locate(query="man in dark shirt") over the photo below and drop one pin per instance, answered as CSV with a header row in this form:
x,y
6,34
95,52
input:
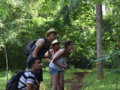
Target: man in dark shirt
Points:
x,y
41,47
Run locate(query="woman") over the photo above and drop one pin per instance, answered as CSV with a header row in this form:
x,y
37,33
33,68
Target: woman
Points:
x,y
40,48
58,63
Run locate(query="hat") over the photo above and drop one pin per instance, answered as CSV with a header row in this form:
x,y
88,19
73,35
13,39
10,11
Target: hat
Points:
x,y
54,42
50,31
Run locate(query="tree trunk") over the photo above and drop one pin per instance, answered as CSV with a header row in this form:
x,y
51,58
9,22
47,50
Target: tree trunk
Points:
x,y
99,40
118,60
5,54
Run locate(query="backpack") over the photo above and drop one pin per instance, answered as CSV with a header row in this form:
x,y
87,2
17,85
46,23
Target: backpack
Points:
x,y
12,84
28,46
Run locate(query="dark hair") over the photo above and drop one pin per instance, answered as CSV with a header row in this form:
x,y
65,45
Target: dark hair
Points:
x,y
32,62
67,43
54,44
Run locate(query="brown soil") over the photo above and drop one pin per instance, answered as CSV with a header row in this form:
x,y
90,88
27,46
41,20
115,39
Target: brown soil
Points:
x,y
76,80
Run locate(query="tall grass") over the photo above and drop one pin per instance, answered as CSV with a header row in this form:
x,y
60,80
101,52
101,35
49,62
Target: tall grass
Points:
x,y
111,81
46,84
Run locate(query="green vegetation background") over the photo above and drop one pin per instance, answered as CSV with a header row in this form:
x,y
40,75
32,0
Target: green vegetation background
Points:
x,y
22,21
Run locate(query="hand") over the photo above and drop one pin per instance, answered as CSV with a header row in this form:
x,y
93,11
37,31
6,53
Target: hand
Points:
x,y
63,69
36,85
65,66
68,66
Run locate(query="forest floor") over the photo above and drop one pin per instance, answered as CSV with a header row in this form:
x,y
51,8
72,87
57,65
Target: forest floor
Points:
x,y
76,80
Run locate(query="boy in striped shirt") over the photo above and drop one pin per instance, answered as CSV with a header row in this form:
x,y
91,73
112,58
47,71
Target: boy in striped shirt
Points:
x,y
27,81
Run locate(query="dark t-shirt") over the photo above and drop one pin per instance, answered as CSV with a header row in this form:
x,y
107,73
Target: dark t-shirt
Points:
x,y
41,52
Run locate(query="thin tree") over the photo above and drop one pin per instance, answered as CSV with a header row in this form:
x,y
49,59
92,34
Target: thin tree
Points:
x,y
99,40
5,54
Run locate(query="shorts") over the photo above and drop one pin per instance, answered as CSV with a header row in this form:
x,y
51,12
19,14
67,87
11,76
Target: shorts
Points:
x,y
55,71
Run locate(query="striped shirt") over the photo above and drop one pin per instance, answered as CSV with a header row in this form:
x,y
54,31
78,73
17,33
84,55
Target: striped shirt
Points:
x,y
27,77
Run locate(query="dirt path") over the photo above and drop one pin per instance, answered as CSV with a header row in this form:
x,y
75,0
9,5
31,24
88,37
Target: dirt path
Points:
x,y
76,81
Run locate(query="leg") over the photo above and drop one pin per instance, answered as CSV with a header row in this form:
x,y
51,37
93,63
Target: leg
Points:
x,y
39,77
63,85
51,83
38,87
58,82
54,77
54,81
61,78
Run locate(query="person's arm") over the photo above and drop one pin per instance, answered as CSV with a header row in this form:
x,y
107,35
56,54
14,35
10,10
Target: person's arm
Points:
x,y
39,45
36,85
49,55
33,86
59,54
29,86
47,60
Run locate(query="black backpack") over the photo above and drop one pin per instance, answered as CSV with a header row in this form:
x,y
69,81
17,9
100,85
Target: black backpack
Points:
x,y
28,46
12,84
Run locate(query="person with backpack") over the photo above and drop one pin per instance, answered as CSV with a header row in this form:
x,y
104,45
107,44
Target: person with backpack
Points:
x,y
27,81
58,63
41,46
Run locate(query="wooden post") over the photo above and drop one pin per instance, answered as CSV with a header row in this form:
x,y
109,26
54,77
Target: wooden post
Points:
x,y
5,54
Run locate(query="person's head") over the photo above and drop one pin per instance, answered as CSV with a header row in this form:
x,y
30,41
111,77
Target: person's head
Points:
x,y
69,45
51,33
55,44
35,65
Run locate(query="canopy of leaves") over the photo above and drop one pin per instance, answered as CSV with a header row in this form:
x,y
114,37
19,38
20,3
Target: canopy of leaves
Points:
x,y
26,20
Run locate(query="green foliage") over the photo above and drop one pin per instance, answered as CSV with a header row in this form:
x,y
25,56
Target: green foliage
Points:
x,y
111,34
111,60
25,20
